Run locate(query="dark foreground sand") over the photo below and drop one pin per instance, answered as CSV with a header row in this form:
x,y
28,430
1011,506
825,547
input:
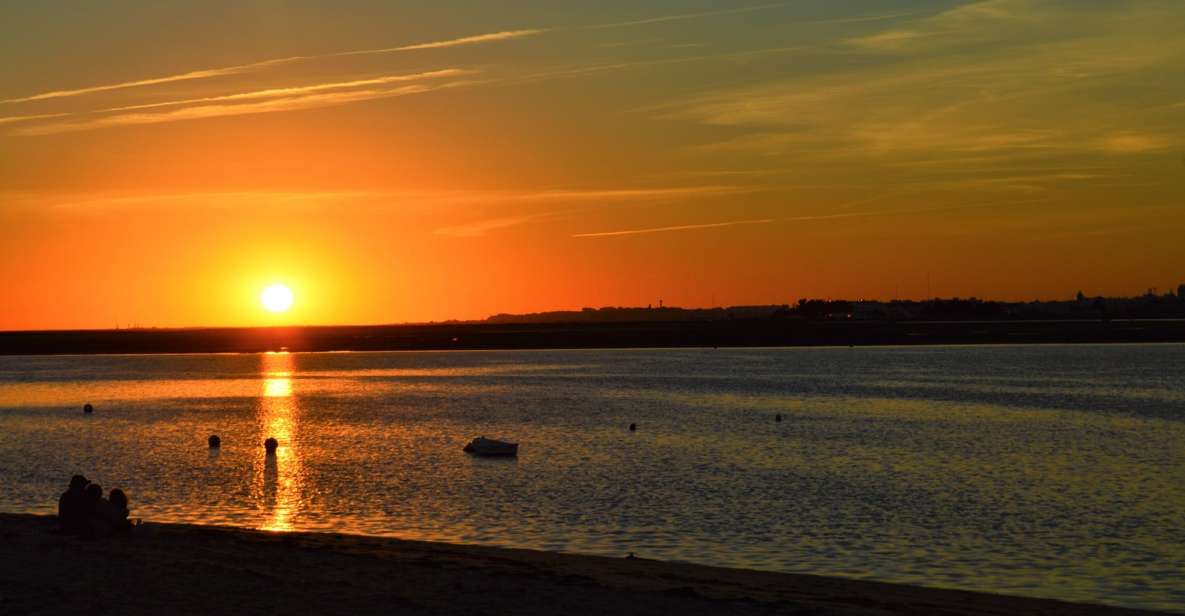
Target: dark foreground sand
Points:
x,y
178,569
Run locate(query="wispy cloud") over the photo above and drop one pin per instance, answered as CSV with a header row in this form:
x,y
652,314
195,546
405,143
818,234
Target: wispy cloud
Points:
x,y
464,40
922,210
892,39
243,68
207,199
958,25
254,95
480,228
860,19
574,195
1024,94
712,225
298,90
196,112
28,118
577,71
567,195
586,198
1133,143
202,74
741,10
629,193
685,16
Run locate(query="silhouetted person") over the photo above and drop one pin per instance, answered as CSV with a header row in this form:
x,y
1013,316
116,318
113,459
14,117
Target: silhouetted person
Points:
x,y
72,512
95,509
633,427
271,481
270,445
778,417
214,441
87,408
116,514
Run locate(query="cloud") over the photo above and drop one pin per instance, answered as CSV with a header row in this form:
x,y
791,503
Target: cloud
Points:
x,y
27,118
1133,143
575,71
569,196
713,225
685,16
1068,83
478,229
961,25
924,210
228,199
737,11
465,40
202,74
297,90
242,68
632,194
892,39
257,94
196,112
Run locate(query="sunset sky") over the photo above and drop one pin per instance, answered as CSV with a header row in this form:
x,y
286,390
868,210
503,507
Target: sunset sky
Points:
x,y
162,162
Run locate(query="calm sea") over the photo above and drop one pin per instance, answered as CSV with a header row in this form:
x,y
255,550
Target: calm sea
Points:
x,y
1051,471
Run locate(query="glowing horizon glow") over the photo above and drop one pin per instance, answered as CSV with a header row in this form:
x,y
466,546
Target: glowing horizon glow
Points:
x,y
455,160
276,298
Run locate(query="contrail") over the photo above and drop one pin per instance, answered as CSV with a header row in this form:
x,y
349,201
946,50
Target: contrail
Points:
x,y
243,68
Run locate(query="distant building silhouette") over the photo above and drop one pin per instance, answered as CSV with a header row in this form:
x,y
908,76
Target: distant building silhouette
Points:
x,y
1149,305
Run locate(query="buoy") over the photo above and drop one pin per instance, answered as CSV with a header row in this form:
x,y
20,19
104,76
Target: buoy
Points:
x,y
778,417
214,441
270,445
87,408
633,427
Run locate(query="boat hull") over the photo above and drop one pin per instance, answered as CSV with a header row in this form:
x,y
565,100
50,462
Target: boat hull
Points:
x,y
490,448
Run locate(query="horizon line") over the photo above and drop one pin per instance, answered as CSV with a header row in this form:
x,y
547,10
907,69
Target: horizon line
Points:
x,y
486,319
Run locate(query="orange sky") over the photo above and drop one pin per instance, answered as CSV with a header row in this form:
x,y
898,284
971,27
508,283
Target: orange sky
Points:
x,y
398,162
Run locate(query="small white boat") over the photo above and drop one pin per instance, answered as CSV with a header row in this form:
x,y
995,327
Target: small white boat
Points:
x,y
482,446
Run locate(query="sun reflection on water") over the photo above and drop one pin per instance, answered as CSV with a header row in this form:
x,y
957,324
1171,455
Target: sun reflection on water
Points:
x,y
279,478
278,387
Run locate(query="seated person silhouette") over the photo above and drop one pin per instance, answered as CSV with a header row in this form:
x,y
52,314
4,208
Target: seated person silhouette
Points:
x,y
95,507
116,512
72,506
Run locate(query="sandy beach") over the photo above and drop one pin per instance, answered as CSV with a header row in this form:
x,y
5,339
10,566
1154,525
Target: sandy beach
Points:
x,y
172,568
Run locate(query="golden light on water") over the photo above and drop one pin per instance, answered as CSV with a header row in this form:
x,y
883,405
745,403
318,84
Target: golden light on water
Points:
x,y
279,479
277,387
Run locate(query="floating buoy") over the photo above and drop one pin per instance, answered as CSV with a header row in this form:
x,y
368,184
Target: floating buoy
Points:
x,y
633,427
87,408
214,441
270,445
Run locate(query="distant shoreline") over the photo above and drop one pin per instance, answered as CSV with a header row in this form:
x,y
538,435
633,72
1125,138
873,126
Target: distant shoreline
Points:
x,y
784,332
168,568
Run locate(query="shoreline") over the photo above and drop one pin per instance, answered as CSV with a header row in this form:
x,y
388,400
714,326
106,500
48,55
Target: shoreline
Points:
x,y
758,333
177,568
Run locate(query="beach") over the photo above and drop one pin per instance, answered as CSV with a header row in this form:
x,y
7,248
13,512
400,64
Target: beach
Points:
x,y
181,569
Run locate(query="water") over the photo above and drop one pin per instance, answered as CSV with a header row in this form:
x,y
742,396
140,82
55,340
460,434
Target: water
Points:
x,y
1052,471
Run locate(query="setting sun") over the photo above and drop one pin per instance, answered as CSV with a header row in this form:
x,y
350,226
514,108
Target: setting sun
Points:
x,y
276,298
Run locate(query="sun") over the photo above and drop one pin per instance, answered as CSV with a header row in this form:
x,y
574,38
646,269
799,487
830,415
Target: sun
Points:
x,y
276,298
